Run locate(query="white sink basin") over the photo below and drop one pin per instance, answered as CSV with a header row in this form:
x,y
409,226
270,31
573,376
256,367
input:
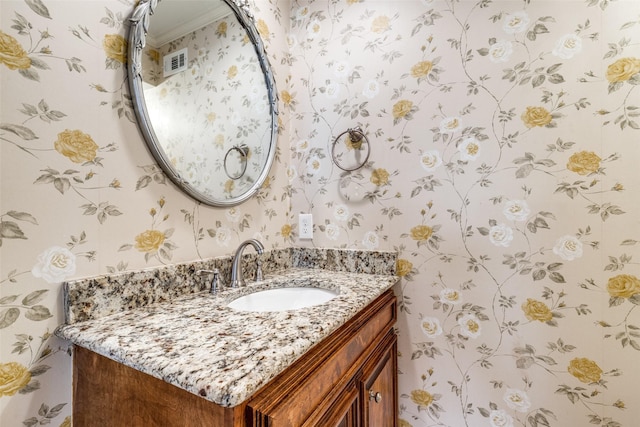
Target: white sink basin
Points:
x,y
281,299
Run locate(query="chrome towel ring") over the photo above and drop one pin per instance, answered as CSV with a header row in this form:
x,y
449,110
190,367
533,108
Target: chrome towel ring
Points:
x,y
358,142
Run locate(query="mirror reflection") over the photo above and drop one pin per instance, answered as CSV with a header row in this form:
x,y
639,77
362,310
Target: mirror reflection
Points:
x,y
207,99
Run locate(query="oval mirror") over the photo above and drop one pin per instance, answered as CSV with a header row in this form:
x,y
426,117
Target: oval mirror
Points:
x,y
204,96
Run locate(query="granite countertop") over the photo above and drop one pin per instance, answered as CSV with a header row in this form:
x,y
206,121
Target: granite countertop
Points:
x,y
199,344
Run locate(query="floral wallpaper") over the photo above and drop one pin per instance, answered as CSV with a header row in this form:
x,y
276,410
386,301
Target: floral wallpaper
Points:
x,y
80,193
502,168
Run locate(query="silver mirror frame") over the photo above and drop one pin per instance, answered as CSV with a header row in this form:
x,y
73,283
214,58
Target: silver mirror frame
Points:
x,y
137,39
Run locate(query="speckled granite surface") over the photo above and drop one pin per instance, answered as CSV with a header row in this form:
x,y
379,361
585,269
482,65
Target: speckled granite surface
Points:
x,y
194,341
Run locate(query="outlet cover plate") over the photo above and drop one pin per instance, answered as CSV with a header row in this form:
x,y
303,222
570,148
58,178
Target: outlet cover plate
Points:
x,y
305,226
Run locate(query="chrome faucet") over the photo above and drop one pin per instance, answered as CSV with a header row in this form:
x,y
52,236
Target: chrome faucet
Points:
x,y
236,269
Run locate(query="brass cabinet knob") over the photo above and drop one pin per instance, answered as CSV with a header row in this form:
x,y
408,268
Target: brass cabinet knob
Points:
x,y
376,396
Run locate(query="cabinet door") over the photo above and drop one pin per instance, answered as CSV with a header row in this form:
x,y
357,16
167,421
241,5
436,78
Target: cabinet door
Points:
x,y
379,390
345,410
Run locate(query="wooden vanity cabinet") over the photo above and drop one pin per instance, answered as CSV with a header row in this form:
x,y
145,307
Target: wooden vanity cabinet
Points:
x,y
347,380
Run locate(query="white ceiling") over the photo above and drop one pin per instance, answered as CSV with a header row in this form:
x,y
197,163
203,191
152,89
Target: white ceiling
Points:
x,y
175,18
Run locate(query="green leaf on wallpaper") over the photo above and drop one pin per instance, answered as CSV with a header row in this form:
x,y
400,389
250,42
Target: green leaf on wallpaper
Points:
x,y
524,171
39,64
37,313
8,299
557,277
10,230
21,131
38,7
615,301
629,242
30,74
22,216
635,299
34,297
39,370
8,317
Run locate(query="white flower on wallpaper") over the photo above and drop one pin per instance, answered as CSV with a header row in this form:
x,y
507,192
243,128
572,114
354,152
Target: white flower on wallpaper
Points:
x,y
371,240
303,146
516,210
223,236
314,164
517,399
314,28
341,69
341,212
514,23
469,149
567,46
501,235
500,51
450,124
469,326
292,41
430,160
291,173
568,247
450,296
55,265
431,326
332,90
302,13
332,231
499,418
234,215
371,89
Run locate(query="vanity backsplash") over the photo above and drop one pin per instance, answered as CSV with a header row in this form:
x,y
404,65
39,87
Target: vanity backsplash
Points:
x,y
96,297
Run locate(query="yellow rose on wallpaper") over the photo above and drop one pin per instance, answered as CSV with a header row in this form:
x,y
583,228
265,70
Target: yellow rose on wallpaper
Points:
x,y
285,231
154,55
623,286
76,145
229,186
404,423
115,46
536,116
379,177
149,241
584,162
403,267
623,69
421,398
221,31
218,141
12,54
402,109
285,97
66,422
585,370
421,69
536,310
232,72
380,24
13,378
263,29
421,232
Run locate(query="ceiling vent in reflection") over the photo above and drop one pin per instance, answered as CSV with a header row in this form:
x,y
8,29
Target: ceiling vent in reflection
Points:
x,y
175,62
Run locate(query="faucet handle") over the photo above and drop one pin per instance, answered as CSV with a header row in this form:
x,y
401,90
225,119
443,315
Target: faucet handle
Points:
x,y
216,280
259,277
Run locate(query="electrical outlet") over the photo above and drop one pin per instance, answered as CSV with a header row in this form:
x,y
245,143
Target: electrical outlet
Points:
x,y
305,224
